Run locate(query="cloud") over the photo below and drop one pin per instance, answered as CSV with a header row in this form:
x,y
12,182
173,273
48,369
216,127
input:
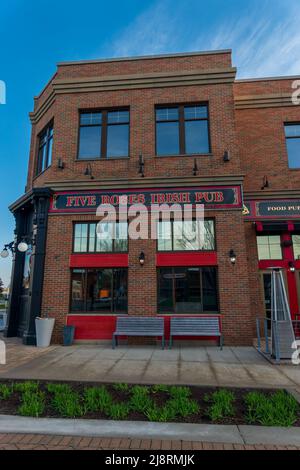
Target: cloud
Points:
x,y
265,37
152,32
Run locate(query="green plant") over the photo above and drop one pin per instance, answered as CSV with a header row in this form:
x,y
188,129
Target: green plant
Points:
x,y
97,399
180,392
118,410
161,388
58,388
5,391
33,403
160,414
66,401
140,400
184,406
27,386
278,409
222,405
121,387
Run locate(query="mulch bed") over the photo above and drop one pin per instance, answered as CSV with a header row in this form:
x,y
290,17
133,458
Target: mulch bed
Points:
x,y
10,406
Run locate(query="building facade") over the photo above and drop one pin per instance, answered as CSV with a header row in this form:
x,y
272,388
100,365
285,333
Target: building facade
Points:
x,y
160,129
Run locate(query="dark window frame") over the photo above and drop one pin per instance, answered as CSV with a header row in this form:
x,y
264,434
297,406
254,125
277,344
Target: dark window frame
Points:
x,y
172,268
181,124
104,126
289,124
95,312
188,251
89,223
45,133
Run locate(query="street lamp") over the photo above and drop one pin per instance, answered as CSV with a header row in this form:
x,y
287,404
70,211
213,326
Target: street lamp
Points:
x,y
22,247
9,246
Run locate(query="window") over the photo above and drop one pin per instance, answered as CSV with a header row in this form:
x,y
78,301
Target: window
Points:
x,y
292,137
113,237
187,290
296,245
104,134
186,235
269,247
99,290
182,130
45,149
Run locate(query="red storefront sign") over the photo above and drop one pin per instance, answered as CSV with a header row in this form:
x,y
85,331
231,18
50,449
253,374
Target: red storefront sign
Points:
x,y
218,197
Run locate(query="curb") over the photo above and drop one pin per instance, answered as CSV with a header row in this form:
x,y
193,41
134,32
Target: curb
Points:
x,y
230,434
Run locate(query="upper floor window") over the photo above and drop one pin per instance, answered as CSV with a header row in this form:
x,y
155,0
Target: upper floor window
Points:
x,y
45,149
292,137
182,130
113,239
104,134
296,246
186,235
269,247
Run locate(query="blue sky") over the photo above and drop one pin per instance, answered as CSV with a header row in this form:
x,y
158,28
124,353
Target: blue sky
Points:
x,y
35,35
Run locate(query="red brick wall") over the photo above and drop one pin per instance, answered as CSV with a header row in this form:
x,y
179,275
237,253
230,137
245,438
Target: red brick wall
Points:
x,y
256,143
261,137
238,324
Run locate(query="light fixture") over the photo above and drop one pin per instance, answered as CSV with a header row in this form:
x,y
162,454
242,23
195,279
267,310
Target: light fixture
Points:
x,y
195,167
23,246
4,253
60,164
141,166
226,156
232,256
142,258
9,246
265,182
292,267
89,171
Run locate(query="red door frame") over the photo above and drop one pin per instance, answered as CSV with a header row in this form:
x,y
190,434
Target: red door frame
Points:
x,y
287,257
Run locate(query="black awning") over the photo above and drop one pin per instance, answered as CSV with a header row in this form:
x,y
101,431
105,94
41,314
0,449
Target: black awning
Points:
x,y
277,226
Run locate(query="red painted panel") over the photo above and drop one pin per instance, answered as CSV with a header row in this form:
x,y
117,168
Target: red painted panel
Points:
x,y
92,326
187,259
97,327
267,264
103,260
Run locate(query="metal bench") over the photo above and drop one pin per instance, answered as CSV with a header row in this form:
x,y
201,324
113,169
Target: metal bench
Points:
x,y
196,326
139,326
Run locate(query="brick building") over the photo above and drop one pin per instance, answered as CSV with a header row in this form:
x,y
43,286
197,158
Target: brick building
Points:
x,y
172,128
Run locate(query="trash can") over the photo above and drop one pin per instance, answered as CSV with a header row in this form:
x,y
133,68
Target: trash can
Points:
x,y
44,328
68,335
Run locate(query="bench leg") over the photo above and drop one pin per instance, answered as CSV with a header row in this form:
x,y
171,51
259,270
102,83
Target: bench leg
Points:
x,y
162,342
114,341
221,342
170,342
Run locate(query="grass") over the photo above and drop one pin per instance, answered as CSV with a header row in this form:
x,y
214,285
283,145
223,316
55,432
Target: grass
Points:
x,y
33,404
221,405
278,409
158,403
5,391
66,401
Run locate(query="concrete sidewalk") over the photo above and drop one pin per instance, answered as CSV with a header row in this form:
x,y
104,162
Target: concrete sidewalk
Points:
x,y
194,365
229,434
